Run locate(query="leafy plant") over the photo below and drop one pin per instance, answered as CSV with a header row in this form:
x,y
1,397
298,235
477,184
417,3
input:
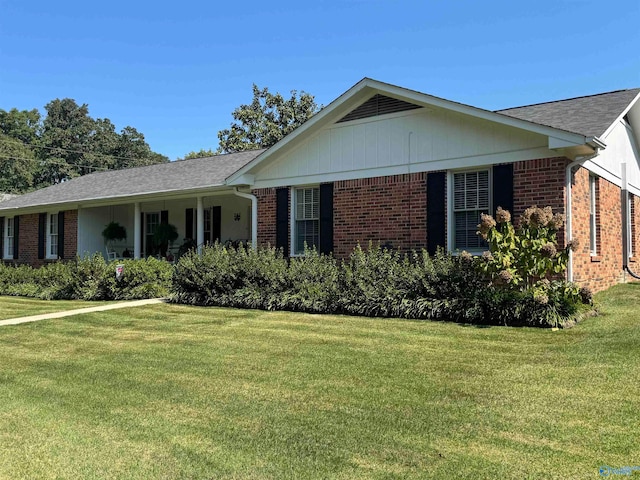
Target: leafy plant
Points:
x,y
114,231
163,236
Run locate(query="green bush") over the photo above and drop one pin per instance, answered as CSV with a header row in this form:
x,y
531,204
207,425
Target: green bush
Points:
x,y
88,278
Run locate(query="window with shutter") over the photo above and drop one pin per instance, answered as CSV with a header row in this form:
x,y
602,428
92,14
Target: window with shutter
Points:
x,y
471,197
8,238
307,218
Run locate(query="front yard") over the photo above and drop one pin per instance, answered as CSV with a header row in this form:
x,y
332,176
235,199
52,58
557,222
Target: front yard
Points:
x,y
171,391
14,307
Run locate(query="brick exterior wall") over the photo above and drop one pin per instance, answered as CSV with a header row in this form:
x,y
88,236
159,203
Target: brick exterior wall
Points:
x,y
540,182
605,269
266,215
391,209
28,238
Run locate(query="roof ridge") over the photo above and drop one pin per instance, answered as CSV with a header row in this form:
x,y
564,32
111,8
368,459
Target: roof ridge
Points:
x,y
568,99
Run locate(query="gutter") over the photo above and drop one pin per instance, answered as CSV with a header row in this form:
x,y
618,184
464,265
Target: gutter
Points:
x,y
254,215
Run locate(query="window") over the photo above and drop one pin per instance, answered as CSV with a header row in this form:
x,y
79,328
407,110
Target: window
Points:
x,y
8,238
152,220
306,218
593,196
52,235
631,228
471,194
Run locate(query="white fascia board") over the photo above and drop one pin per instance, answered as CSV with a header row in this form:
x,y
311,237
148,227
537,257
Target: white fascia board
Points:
x,y
620,117
244,179
610,176
414,167
429,100
120,200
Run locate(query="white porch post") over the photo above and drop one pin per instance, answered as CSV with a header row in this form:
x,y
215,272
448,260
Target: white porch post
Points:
x,y
200,224
137,231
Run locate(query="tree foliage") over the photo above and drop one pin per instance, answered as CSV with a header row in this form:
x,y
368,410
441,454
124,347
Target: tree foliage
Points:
x,y
202,153
37,152
267,119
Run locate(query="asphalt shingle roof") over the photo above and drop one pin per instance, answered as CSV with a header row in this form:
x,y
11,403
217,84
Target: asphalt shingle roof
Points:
x,y
590,116
163,177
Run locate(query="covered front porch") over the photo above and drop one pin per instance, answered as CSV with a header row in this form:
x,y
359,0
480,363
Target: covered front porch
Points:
x,y
224,216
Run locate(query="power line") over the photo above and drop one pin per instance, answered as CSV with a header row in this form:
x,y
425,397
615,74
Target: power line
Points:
x,y
18,142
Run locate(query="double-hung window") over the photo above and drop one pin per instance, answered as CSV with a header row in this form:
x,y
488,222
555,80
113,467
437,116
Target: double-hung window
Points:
x,y
593,219
152,220
8,238
471,197
306,218
52,235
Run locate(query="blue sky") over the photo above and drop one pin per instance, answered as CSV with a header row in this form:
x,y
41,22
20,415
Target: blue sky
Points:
x,y
176,70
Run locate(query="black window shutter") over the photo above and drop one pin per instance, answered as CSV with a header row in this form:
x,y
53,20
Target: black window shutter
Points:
x,y
16,235
42,227
436,211
188,227
164,217
60,234
326,218
1,237
282,220
216,224
503,187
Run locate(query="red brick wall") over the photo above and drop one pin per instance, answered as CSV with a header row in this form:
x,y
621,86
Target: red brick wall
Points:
x,y
266,215
540,182
28,238
605,269
391,209
70,234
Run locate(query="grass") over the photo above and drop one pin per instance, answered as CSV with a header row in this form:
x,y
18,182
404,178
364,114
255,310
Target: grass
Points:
x,y
14,307
180,392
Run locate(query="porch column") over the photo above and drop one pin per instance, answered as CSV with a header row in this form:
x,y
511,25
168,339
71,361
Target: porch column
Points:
x,y
137,231
200,224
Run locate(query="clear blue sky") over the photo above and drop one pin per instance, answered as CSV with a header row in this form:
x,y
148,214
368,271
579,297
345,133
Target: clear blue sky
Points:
x,y
176,70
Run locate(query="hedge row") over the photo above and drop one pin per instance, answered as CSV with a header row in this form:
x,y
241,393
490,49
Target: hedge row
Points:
x,y
374,282
89,278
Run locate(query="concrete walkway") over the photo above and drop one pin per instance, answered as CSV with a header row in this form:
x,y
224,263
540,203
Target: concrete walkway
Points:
x,y
78,311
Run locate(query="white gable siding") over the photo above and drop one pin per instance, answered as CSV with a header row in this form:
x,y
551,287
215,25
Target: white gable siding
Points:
x,y
621,147
420,140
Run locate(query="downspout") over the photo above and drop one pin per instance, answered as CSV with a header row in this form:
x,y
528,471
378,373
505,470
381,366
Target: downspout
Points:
x,y
624,196
254,215
568,228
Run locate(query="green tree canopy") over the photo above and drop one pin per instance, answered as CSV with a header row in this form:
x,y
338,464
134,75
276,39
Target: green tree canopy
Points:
x,y
267,119
68,142
202,153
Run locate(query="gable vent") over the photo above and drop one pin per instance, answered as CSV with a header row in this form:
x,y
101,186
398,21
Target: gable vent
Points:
x,y
378,105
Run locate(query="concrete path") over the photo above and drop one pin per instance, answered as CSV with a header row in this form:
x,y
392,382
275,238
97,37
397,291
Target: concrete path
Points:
x,y
78,311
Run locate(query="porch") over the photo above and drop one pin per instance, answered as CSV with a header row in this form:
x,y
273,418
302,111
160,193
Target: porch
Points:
x,y
223,216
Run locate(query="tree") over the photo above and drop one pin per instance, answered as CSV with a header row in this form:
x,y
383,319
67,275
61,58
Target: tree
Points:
x,y
23,125
267,119
200,154
17,165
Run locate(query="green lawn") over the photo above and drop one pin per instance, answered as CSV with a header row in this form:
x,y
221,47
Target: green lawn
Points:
x,y
13,307
177,392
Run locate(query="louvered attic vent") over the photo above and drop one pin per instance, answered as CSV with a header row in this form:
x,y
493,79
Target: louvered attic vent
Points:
x,y
378,105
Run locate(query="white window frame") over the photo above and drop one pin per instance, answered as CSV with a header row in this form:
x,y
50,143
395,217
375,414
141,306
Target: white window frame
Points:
x,y
630,213
293,220
451,234
593,220
8,253
50,236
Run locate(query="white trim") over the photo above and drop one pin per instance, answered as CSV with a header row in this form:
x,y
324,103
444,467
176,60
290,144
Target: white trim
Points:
x,y
416,167
450,207
620,117
6,242
48,237
593,216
